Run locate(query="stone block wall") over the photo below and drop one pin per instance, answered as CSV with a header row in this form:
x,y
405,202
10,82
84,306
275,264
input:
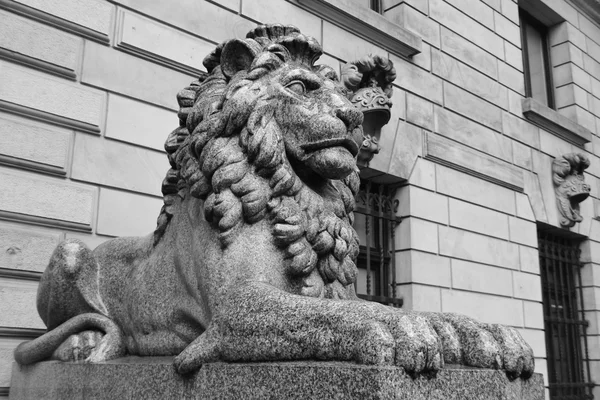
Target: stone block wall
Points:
x,y
87,98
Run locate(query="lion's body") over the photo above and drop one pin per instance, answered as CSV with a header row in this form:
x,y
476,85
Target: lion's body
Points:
x,y
160,296
253,255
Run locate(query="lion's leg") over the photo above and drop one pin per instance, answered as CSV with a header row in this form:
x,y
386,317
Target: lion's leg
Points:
x,y
70,305
260,323
69,285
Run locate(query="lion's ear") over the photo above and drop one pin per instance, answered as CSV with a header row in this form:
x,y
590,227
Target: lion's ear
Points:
x,y
238,55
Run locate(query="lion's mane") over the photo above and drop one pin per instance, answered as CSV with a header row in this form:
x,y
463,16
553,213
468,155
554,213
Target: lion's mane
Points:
x,y
234,159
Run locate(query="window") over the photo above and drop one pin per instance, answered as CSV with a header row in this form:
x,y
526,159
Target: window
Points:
x,y
375,222
564,322
376,6
538,78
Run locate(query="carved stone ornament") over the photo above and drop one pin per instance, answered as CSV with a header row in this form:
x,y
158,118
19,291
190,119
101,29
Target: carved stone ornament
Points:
x,y
569,186
370,81
253,256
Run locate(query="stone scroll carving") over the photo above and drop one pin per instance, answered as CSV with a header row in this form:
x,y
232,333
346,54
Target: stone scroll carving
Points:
x,y
569,186
370,83
253,256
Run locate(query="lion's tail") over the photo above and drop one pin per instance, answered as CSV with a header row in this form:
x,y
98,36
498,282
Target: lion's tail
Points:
x,y
111,346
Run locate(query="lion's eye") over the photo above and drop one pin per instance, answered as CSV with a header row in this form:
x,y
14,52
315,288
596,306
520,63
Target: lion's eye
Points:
x,y
297,87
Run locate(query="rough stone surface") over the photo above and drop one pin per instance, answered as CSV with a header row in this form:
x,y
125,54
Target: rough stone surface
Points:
x,y
253,255
155,378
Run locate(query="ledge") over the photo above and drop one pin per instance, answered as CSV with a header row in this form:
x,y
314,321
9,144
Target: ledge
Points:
x,y
155,378
591,8
473,162
555,123
369,25
40,65
54,21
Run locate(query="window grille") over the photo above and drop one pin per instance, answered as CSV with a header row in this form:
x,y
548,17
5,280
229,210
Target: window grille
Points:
x,y
375,222
564,321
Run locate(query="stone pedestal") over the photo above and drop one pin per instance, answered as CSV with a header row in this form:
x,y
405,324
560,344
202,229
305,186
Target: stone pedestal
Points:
x,y
155,378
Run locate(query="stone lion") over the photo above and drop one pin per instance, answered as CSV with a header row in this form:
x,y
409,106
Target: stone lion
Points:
x,y
253,255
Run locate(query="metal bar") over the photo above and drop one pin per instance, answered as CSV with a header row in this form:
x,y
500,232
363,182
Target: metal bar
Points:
x,y
575,336
368,235
382,270
568,361
584,329
559,342
393,254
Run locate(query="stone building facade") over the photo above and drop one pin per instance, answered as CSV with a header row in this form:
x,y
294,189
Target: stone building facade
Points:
x,y
87,98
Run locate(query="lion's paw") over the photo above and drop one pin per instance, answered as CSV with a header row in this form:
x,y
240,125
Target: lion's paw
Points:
x,y
469,342
418,349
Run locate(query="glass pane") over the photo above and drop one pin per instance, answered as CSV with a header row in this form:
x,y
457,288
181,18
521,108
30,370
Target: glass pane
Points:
x,y
360,227
537,70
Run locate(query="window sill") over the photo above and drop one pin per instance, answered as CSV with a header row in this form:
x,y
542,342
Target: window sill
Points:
x,y
367,24
555,123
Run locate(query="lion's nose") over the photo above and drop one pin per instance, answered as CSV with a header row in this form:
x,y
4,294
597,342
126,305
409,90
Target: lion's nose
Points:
x,y
351,117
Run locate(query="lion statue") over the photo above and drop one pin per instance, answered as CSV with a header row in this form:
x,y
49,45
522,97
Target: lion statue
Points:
x,y
253,255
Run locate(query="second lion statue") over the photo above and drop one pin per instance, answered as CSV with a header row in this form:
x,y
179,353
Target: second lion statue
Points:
x,y
253,255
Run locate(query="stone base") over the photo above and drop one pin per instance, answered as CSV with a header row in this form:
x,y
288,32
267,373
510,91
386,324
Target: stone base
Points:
x,y
155,378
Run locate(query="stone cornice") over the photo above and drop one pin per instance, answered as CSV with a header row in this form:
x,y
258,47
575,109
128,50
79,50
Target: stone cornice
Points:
x,y
369,25
591,8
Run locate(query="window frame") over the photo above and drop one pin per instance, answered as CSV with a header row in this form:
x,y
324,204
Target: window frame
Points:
x,y
565,326
526,18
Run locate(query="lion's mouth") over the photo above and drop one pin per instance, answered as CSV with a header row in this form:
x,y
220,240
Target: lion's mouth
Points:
x,y
348,144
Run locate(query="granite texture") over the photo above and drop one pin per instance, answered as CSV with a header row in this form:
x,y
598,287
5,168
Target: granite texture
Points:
x,y
154,378
253,256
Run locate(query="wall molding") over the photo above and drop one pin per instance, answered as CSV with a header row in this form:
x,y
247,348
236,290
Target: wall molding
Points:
x,y
590,8
473,162
54,21
136,51
147,55
47,117
21,275
31,165
49,222
4,390
555,123
39,65
363,22
32,333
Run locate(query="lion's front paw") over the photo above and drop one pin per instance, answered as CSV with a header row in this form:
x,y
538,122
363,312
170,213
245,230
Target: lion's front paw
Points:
x,y
469,342
418,348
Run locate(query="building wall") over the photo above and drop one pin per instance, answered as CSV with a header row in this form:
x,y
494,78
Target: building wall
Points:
x,y
87,98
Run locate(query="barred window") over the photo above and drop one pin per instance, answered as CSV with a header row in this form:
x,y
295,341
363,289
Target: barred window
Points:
x,y
564,320
375,222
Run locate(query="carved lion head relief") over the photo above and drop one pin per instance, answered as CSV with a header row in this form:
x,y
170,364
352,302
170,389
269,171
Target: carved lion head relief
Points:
x,y
569,186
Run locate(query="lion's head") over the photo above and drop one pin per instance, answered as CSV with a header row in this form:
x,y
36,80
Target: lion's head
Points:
x,y
569,186
269,134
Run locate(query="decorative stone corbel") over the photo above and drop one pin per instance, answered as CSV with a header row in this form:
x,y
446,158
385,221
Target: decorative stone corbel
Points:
x,y
369,81
569,186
